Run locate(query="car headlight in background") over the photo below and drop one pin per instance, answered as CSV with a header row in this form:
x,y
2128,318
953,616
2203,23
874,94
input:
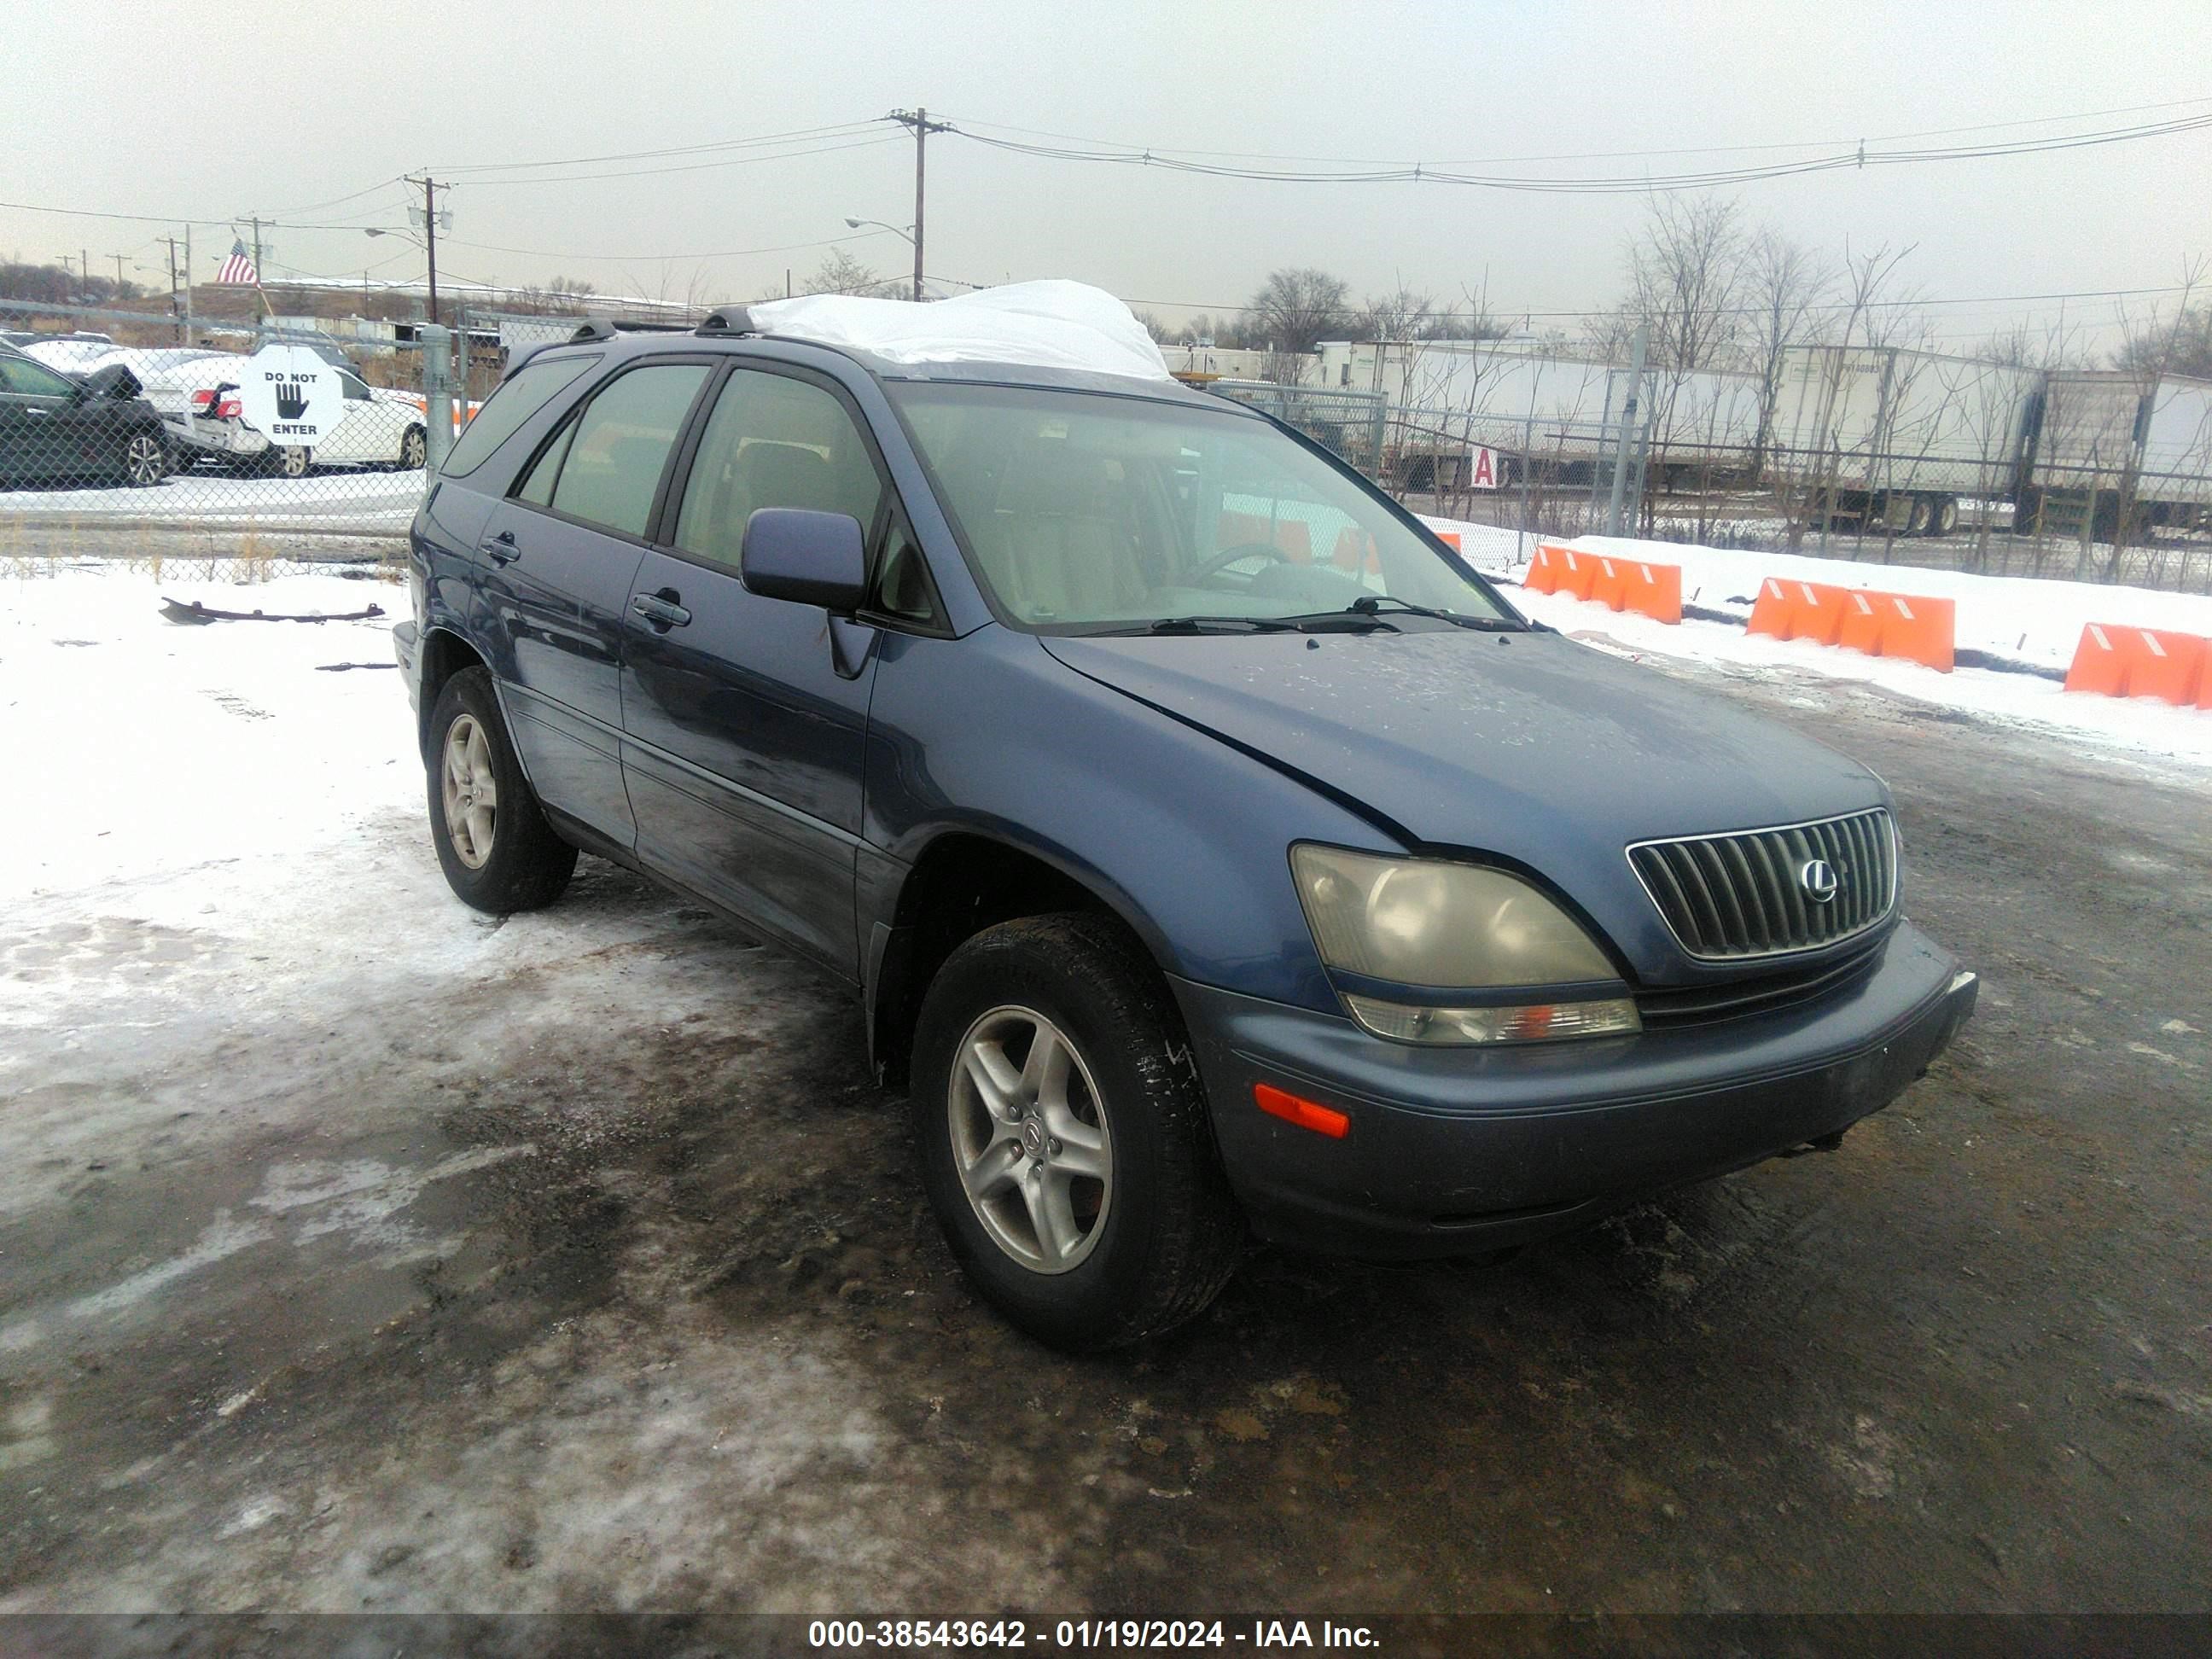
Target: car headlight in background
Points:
x,y
1428,923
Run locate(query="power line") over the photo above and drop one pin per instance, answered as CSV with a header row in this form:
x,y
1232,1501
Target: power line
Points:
x,y
649,258
1856,158
1609,155
867,142
841,128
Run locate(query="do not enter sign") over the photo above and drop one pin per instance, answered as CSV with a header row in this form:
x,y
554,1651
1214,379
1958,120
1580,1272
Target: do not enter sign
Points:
x,y
290,396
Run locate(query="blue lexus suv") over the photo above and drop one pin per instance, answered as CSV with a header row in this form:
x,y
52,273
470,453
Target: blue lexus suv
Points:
x,y
1214,853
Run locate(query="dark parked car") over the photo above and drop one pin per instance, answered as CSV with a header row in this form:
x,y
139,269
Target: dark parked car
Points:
x,y
1213,852
55,428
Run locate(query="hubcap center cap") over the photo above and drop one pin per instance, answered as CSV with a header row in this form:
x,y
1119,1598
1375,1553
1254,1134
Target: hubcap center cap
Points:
x,y
1033,1138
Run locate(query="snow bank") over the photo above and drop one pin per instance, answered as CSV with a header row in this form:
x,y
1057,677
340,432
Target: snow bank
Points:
x,y
2022,619
1049,325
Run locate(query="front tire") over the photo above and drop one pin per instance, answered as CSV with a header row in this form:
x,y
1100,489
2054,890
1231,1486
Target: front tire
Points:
x,y
144,461
414,450
287,461
1063,1135
499,854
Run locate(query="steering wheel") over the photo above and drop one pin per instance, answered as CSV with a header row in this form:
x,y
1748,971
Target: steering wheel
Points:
x,y
1230,555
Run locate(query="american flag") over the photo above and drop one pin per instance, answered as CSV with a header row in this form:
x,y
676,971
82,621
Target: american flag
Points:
x,y
237,270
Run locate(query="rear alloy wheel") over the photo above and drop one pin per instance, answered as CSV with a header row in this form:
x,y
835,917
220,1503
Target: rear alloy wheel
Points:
x,y
414,450
1064,1134
145,460
498,852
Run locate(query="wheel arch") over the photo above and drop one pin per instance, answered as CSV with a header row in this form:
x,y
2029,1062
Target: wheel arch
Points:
x,y
445,653
965,881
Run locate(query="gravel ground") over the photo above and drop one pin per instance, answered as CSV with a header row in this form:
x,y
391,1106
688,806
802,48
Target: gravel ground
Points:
x,y
575,1263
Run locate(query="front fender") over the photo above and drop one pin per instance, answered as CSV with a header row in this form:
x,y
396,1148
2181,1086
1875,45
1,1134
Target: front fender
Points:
x,y
1185,838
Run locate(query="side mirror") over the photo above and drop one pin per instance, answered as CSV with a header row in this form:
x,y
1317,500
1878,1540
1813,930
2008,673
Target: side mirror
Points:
x,y
809,558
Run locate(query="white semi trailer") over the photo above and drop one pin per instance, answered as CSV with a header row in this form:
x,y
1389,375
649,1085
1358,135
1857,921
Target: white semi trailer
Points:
x,y
2100,437
1885,436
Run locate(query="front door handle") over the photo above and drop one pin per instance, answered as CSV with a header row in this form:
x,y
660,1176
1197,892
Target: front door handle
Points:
x,y
501,548
664,610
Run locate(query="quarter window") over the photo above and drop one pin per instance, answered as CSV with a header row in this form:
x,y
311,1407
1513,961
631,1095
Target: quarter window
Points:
x,y
773,442
613,462
521,395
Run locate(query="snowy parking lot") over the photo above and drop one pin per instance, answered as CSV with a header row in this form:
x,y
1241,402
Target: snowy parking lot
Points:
x,y
361,1252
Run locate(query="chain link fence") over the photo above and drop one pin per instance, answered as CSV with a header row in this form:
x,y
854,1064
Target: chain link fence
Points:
x,y
1998,472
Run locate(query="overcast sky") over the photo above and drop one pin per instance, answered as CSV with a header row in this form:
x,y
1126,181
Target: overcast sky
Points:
x,y
199,113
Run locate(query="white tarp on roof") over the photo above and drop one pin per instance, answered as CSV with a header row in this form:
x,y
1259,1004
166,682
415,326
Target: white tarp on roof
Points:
x,y
1049,325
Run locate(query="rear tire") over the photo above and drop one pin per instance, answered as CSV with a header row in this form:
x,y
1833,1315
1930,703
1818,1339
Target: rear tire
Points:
x,y
499,854
1917,517
1146,1239
414,450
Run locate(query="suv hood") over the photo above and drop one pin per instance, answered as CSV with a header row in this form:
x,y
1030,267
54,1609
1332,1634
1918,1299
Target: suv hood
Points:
x,y
1526,746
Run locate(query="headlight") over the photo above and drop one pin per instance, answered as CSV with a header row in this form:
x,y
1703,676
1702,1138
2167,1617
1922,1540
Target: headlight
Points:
x,y
1428,923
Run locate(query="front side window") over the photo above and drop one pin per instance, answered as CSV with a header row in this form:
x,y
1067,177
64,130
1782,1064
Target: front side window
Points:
x,y
613,465
521,395
773,441
1085,512
27,379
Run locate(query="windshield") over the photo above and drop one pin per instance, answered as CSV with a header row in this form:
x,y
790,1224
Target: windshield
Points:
x,y
1088,512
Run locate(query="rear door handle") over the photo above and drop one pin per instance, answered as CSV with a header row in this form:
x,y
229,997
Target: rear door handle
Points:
x,y
501,548
663,609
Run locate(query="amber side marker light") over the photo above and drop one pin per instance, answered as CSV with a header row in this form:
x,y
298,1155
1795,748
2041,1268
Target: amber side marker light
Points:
x,y
1306,1114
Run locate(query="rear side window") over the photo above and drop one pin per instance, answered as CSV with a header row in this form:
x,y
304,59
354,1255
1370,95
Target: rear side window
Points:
x,y
622,441
520,396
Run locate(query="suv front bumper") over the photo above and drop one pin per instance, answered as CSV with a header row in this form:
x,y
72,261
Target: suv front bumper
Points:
x,y
1461,1150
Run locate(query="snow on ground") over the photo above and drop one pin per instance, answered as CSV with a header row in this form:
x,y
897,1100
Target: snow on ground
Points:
x,y
138,746
2030,619
2015,618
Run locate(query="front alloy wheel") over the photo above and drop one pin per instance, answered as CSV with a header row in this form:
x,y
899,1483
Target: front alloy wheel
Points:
x,y
414,450
145,460
292,463
472,792
1036,1157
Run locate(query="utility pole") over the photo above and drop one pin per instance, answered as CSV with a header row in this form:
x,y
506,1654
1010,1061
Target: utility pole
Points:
x,y
923,126
430,234
188,284
119,274
1612,525
176,310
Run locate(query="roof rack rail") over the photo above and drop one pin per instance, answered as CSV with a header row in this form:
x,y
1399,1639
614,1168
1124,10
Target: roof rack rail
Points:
x,y
605,328
730,320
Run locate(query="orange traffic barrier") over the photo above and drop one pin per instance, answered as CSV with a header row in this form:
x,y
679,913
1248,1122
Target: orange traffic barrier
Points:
x,y
1241,530
1295,540
1918,628
1557,570
1790,610
2142,662
1355,553
1649,589
1449,539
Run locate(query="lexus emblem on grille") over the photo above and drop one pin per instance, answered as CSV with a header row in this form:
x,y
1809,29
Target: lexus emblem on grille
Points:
x,y
1818,878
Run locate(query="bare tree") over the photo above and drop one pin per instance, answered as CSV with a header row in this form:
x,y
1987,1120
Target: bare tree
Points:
x,y
1297,308
1685,270
1785,286
840,272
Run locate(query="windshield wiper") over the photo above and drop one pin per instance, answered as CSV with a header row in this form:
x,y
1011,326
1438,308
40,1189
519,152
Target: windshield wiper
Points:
x,y
1210,625
1371,604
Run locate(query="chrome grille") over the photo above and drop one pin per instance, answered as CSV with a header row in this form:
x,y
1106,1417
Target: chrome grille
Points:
x,y
1730,897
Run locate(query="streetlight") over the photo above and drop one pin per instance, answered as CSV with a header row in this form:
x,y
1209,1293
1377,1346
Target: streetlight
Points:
x,y
855,224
